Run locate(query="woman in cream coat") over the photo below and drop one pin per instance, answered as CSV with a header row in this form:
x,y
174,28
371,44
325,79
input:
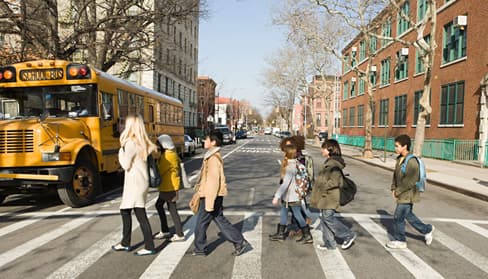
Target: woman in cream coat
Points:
x,y
135,147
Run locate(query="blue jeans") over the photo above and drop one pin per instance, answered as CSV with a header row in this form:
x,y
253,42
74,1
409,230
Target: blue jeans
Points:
x,y
297,213
332,227
204,218
404,211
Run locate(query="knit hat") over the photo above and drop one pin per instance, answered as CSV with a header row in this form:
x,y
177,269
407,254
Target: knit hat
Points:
x,y
166,142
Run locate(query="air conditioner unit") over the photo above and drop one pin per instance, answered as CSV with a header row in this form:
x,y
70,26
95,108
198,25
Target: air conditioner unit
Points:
x,y
353,79
404,51
373,69
354,49
460,21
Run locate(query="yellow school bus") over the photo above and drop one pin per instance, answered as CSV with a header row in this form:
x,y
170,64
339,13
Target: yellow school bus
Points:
x,y
60,124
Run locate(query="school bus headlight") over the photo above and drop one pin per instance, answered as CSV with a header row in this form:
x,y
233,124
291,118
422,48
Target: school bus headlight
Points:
x,y
56,156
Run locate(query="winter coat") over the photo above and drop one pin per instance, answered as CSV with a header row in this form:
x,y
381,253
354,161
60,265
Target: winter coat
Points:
x,y
286,191
323,197
404,184
212,179
136,178
169,167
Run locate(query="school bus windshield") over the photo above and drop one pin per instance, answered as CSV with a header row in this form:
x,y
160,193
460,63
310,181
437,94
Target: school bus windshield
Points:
x,y
55,101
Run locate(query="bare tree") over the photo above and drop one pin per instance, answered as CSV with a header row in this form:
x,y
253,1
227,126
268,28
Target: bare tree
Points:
x,y
285,79
108,31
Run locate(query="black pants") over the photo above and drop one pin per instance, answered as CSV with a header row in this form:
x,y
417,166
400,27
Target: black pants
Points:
x,y
203,221
165,198
143,222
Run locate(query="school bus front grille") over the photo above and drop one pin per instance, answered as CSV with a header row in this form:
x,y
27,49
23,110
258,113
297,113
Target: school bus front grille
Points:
x,y
16,141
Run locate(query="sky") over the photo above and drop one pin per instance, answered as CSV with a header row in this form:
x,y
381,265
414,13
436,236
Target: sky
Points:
x,y
234,42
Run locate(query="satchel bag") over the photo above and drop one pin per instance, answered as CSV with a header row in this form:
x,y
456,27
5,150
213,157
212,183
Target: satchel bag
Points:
x,y
195,203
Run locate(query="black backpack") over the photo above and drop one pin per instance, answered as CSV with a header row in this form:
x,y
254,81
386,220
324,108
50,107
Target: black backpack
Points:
x,y
348,189
153,171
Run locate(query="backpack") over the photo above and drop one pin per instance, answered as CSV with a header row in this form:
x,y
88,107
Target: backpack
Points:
x,y
310,171
302,181
420,185
153,171
348,189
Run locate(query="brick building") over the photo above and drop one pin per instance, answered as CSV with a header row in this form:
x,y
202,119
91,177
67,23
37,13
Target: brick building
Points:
x,y
206,102
460,64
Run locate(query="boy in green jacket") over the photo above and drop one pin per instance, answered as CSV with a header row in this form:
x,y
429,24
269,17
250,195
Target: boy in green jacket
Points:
x,y
405,193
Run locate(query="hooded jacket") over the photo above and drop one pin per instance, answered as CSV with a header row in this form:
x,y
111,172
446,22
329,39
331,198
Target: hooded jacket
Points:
x,y
212,178
404,183
323,197
286,191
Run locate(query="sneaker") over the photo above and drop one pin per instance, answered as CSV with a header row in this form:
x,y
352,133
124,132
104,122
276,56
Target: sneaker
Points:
x,y
161,235
145,252
240,249
429,236
198,254
120,247
348,243
324,247
395,244
177,238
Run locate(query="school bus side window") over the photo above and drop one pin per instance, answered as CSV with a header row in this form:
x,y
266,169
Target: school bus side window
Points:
x,y
151,113
107,106
123,101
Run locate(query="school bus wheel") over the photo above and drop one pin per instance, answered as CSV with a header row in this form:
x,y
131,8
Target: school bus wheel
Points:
x,y
84,187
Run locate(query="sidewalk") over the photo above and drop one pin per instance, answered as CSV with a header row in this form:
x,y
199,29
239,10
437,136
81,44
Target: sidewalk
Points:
x,y
467,179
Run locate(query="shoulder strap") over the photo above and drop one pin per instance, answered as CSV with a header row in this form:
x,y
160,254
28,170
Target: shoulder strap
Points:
x,y
405,161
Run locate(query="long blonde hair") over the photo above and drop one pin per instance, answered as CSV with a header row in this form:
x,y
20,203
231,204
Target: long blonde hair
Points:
x,y
136,131
290,153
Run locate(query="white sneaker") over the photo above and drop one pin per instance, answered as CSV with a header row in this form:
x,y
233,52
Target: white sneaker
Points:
x,y
395,244
429,236
161,235
177,238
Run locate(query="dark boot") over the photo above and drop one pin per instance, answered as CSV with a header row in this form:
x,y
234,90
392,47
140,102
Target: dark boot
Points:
x,y
306,236
280,235
277,231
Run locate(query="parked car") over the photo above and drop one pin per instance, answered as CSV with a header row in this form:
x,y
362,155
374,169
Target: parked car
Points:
x,y
285,134
190,145
268,131
227,135
241,134
323,136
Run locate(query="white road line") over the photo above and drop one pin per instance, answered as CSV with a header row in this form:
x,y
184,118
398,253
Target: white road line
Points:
x,y
413,263
467,253
83,261
251,196
475,228
167,260
332,262
279,162
24,223
234,150
37,242
248,265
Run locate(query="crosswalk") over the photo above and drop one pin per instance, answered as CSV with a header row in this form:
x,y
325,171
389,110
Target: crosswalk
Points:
x,y
417,262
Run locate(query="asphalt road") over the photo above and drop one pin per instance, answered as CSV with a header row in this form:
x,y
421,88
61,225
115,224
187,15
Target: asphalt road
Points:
x,y
41,238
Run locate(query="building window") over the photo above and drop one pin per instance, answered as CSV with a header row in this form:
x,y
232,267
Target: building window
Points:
x,y
360,115
401,69
373,112
344,118
361,87
353,88
386,32
452,103
383,112
352,115
372,78
346,63
372,45
319,123
385,71
454,44
421,9
362,51
417,108
403,23
400,110
345,91
419,63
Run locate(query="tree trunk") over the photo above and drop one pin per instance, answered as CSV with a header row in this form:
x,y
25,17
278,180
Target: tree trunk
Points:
x,y
368,138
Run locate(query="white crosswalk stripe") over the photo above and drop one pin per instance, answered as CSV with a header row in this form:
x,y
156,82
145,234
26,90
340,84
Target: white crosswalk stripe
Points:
x,y
248,265
405,257
475,228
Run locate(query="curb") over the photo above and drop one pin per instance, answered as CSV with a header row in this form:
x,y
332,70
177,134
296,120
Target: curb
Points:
x,y
437,183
